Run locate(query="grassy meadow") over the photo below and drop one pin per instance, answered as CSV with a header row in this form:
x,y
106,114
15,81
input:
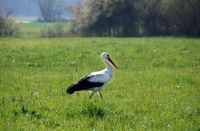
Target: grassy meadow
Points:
x,y
157,85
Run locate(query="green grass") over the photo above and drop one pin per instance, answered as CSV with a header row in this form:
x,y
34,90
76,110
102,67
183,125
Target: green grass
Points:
x,y
33,29
157,85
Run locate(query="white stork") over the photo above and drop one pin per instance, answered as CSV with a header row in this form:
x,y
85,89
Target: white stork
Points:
x,y
95,80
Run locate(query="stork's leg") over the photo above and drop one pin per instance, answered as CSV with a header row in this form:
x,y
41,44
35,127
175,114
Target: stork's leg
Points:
x,y
91,94
100,94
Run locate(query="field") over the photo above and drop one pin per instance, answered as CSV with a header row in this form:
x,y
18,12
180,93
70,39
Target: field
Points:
x,y
157,85
33,29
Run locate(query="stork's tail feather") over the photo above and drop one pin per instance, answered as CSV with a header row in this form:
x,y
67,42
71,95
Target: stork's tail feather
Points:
x,y
71,89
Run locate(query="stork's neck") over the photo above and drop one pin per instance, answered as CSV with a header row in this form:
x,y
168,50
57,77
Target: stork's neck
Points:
x,y
109,68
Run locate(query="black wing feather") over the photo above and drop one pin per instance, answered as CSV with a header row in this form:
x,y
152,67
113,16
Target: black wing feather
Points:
x,y
83,84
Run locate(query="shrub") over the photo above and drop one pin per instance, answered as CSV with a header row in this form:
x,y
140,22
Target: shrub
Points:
x,y
55,31
8,27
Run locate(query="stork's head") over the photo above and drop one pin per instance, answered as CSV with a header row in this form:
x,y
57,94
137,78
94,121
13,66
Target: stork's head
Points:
x,y
106,58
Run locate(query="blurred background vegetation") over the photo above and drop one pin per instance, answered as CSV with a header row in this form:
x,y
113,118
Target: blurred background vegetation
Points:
x,y
120,18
